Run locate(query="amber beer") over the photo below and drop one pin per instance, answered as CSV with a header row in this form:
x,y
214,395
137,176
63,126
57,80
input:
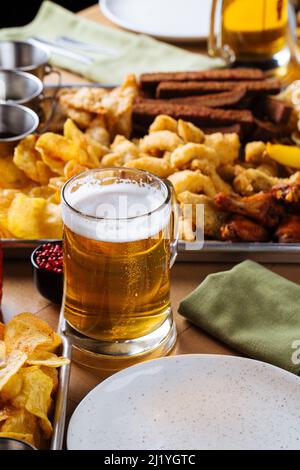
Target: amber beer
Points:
x,y
116,254
252,31
254,27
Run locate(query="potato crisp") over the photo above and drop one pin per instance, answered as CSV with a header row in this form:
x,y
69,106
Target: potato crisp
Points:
x,y
28,378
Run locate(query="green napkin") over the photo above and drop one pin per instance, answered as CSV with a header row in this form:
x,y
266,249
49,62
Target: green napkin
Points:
x,y
137,53
252,310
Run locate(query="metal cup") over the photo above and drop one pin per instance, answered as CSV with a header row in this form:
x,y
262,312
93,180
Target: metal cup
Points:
x,y
9,443
27,90
20,88
25,57
16,122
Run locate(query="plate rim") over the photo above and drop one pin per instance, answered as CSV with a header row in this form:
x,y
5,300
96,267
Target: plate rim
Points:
x,y
267,365
104,7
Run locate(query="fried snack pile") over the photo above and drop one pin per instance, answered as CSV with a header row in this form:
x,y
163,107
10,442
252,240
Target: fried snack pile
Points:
x,y
28,378
211,169
94,107
31,179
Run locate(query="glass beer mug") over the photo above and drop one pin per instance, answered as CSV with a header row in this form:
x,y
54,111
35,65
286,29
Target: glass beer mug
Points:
x,y
118,250
251,31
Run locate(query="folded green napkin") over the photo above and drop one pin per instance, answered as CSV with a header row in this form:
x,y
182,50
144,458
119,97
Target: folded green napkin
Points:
x,y
137,53
252,310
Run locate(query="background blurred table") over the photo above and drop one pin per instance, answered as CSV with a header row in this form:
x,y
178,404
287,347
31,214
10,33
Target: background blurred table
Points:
x,y
20,294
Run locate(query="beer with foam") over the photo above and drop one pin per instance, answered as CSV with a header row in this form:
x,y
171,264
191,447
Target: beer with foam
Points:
x,y
116,253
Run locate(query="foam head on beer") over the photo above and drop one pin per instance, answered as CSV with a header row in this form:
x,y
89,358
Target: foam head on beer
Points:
x,y
121,211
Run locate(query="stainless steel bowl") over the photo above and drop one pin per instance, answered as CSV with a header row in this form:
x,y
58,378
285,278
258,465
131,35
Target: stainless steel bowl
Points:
x,y
20,88
9,443
24,56
16,122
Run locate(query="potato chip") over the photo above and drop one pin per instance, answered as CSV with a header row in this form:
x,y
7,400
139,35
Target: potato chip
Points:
x,y
57,182
58,147
52,347
94,149
6,412
53,374
52,223
95,152
4,232
55,164
55,198
46,192
44,172
14,362
25,216
12,388
34,218
25,332
72,132
35,396
2,353
72,168
6,198
10,175
26,389
20,436
98,148
45,358
20,421
28,159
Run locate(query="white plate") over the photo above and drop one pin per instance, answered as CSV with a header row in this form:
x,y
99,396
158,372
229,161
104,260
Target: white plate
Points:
x,y
172,20
191,402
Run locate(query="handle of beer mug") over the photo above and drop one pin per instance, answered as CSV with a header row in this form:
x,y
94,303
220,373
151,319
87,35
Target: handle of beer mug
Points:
x,y
292,37
214,47
174,229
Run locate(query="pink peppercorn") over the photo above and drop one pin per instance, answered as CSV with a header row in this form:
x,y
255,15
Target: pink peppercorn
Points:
x,y
50,257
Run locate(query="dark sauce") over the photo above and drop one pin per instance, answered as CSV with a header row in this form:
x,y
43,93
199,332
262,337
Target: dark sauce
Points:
x,y
7,135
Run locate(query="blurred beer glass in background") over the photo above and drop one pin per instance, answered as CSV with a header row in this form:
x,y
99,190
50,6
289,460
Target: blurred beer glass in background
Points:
x,y
118,248
251,31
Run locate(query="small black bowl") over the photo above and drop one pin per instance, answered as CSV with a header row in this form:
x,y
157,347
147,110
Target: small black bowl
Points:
x,y
48,283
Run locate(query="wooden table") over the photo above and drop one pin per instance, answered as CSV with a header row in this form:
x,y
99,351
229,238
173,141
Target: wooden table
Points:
x,y
20,294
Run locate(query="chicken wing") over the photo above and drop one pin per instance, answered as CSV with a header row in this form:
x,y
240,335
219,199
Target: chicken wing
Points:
x,y
289,230
241,229
262,207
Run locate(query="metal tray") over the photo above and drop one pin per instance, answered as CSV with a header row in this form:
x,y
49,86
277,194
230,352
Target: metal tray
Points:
x,y
227,252
59,422
210,252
